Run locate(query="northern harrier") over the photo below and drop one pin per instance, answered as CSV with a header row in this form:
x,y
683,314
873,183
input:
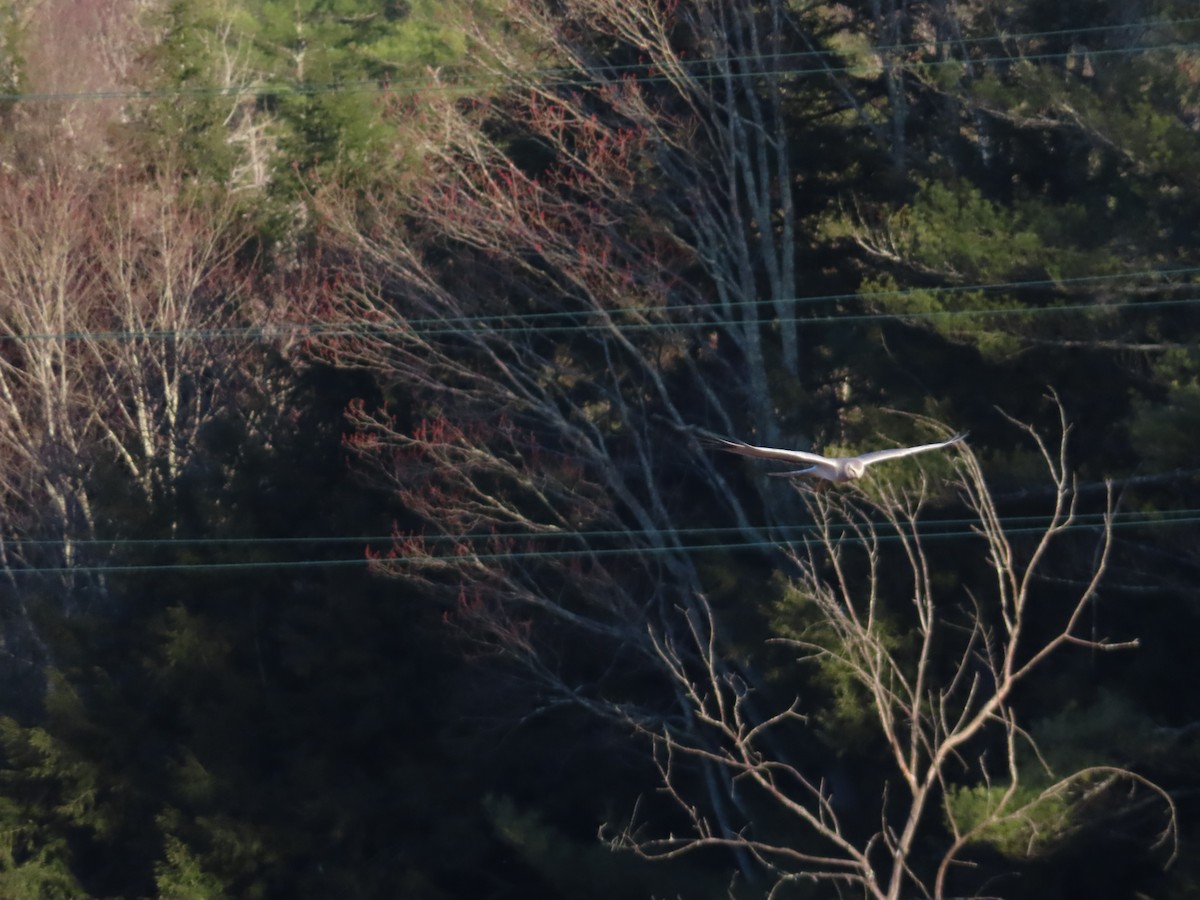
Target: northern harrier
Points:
x,y
837,469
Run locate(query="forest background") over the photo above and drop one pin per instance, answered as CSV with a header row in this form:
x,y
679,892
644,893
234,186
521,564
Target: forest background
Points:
x,y
358,537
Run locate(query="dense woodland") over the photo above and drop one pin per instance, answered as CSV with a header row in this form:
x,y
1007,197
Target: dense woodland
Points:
x,y
358,535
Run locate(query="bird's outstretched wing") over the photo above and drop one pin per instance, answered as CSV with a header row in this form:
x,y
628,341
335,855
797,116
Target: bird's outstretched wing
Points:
x,y
897,452
792,456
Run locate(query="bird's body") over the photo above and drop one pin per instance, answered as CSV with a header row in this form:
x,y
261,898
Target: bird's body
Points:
x,y
836,469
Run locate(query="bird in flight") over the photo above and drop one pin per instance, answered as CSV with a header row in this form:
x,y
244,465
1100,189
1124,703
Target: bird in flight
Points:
x,y
836,469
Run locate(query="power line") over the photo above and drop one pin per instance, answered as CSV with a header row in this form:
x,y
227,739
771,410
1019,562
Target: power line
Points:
x,y
999,38
1086,522
316,330
551,534
876,294
564,77
403,327
859,69
567,321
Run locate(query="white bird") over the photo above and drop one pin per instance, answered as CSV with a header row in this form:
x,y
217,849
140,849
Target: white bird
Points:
x,y
837,469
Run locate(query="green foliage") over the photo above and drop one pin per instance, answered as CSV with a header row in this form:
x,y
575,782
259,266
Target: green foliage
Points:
x,y
50,793
1039,818
1023,825
325,63
1163,427
39,879
846,713
47,757
13,25
950,230
950,227
186,126
287,89
321,43
180,875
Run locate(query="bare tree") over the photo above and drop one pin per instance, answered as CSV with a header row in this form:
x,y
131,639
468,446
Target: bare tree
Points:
x,y
169,291
519,297
943,702
527,307
631,178
112,305
45,409
712,98
520,433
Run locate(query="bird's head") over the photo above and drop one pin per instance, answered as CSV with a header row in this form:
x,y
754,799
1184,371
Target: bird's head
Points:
x,y
855,468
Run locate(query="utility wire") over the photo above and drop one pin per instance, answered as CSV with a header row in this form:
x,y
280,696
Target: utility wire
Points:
x,y
562,77
566,321
1186,515
859,69
315,330
610,69
1094,523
